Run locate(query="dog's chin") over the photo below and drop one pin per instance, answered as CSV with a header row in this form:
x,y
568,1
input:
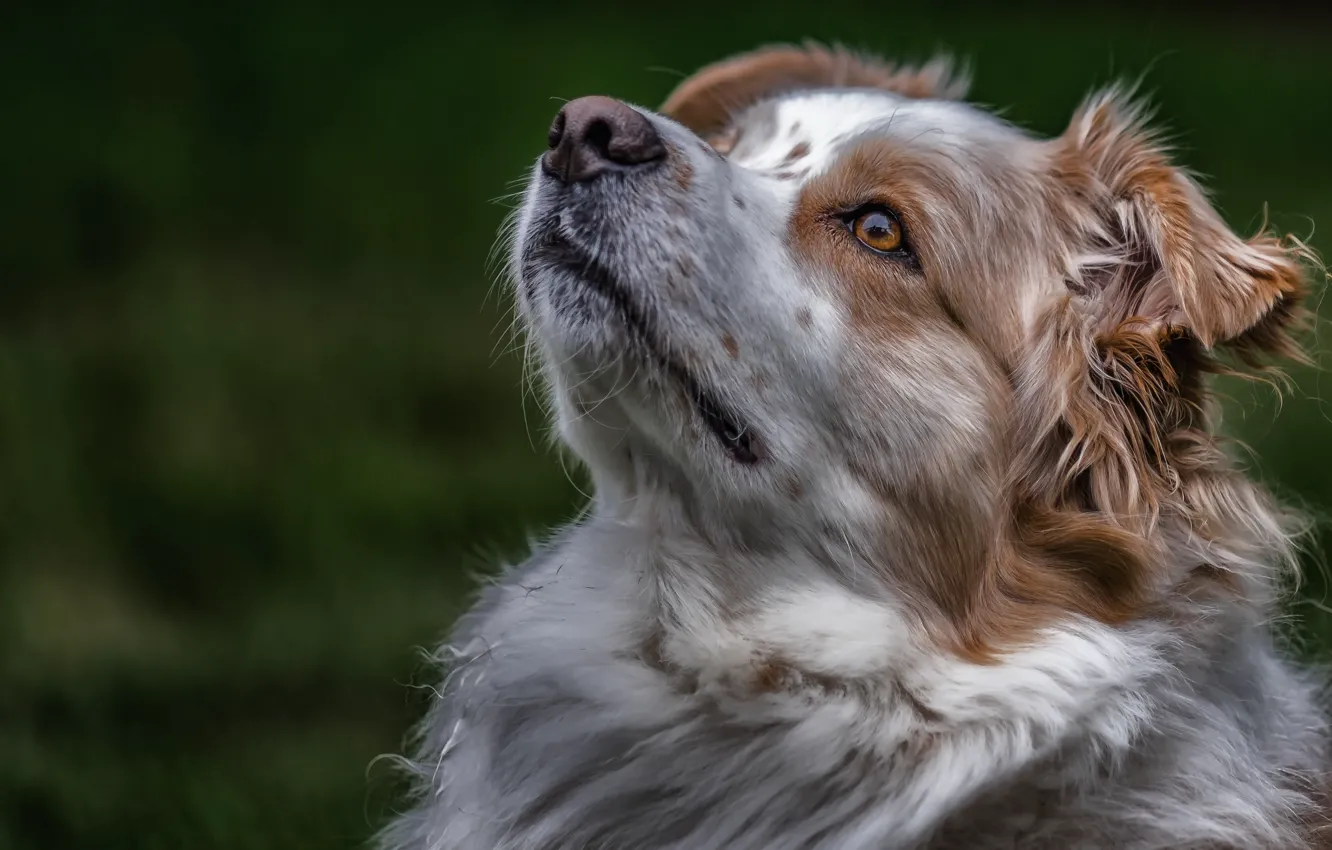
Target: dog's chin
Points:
x,y
593,316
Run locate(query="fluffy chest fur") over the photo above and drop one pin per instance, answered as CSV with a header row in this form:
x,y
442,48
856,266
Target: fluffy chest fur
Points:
x,y
575,716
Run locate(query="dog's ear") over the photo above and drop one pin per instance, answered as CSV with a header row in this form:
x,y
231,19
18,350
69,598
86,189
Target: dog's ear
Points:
x,y
1155,253
706,101
1160,286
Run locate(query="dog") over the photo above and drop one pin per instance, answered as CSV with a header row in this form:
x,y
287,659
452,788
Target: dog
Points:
x,y
911,528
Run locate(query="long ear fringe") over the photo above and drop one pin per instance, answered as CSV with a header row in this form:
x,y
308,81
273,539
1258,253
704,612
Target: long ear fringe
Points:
x,y
1154,250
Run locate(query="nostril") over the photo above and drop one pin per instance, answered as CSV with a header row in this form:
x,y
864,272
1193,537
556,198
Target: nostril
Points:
x,y
598,137
556,132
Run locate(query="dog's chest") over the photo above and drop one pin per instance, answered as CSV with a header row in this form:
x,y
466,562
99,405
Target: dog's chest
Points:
x,y
570,720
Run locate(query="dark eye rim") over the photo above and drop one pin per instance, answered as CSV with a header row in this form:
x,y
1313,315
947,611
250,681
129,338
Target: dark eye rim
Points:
x,y
849,215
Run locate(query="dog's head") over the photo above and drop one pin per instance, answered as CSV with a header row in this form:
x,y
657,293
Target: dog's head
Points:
x,y
820,302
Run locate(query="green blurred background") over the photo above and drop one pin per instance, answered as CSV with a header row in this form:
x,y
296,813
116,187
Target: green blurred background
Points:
x,y
259,423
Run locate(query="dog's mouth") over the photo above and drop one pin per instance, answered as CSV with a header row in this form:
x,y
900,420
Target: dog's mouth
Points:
x,y
548,248
736,436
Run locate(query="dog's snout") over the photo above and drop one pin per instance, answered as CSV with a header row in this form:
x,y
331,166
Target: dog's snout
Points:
x,y
592,135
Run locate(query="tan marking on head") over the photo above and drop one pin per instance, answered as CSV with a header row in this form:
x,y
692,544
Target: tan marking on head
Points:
x,y
709,99
882,293
967,218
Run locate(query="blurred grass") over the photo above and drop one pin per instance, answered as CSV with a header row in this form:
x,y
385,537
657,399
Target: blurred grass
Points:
x,y
257,419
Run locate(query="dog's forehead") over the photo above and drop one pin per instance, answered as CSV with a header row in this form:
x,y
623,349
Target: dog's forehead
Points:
x,y
807,130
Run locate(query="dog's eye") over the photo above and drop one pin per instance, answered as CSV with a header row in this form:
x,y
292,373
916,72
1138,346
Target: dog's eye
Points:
x,y
878,230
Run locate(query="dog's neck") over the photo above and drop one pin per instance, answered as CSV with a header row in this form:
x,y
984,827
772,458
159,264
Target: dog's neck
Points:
x,y
735,603
774,633
701,559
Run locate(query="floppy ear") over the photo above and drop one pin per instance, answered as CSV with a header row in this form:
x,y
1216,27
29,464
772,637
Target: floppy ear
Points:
x,y
1157,252
1159,285
706,101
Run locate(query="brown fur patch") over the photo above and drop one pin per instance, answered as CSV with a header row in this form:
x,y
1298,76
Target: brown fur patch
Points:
x,y
804,317
684,174
707,100
731,346
797,153
777,675
1053,563
884,299
772,677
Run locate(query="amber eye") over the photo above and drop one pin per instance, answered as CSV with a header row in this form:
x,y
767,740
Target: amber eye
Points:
x,y
878,230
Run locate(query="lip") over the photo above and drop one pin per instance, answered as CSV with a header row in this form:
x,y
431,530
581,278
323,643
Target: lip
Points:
x,y
548,248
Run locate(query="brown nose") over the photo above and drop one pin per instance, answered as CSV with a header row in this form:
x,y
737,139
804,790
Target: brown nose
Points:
x,y
592,135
